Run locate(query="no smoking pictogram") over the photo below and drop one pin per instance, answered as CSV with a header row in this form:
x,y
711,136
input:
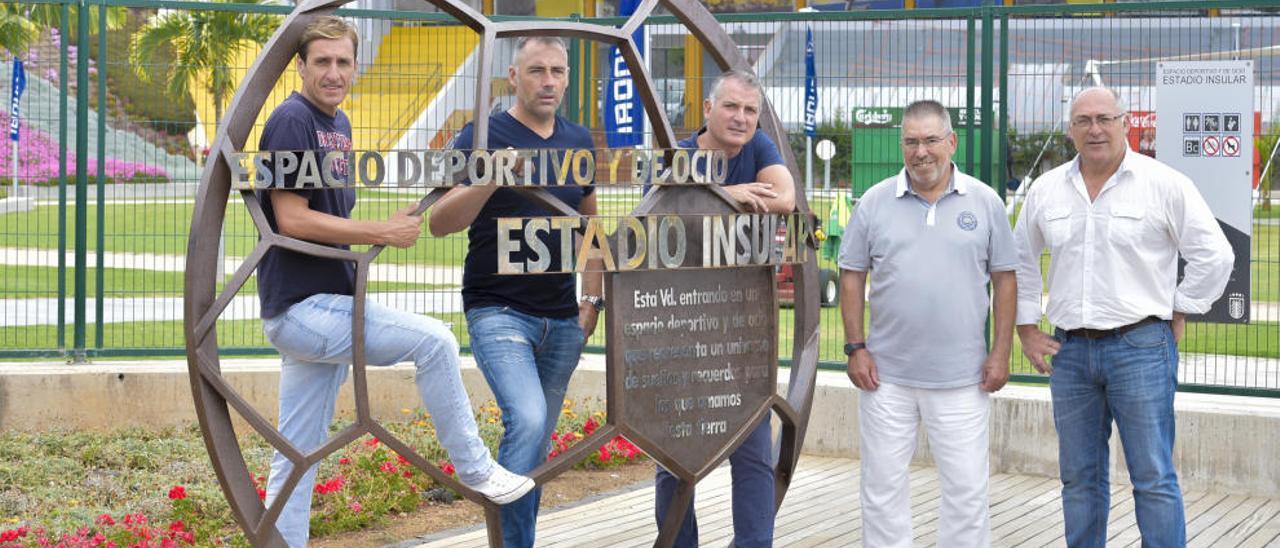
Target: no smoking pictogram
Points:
x,y
1211,145
1231,146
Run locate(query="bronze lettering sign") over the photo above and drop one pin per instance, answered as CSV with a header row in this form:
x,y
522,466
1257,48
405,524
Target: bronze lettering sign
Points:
x,y
695,354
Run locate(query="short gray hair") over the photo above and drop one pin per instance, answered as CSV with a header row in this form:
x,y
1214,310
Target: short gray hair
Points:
x,y
928,107
1120,106
523,41
741,76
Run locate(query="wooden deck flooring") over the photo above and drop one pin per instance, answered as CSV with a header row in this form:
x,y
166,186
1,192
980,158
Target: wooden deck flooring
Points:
x,y
821,509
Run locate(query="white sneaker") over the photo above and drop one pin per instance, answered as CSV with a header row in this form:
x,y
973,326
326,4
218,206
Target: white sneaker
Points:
x,y
503,486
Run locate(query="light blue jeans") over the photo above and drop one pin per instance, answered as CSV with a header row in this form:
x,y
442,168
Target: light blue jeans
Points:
x,y
314,340
1130,378
528,361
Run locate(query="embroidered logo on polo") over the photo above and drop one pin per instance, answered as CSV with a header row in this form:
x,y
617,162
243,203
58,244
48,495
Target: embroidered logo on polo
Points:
x,y
966,220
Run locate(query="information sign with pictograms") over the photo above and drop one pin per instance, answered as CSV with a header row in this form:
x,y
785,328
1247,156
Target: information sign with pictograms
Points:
x,y
1215,102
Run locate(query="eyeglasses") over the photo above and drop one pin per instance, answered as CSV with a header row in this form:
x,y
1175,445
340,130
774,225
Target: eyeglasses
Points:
x,y
1105,121
928,142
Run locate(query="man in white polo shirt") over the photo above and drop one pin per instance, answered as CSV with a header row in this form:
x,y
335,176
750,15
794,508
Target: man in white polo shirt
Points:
x,y
930,238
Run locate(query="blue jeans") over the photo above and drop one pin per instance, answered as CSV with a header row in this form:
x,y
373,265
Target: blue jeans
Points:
x,y
751,470
527,361
1130,378
314,340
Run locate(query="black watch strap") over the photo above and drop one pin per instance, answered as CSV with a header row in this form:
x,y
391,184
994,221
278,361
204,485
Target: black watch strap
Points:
x,y
850,348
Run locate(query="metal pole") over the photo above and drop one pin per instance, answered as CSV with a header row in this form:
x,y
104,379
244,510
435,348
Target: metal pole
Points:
x,y
971,53
100,270
985,167
15,169
826,175
62,180
808,164
82,182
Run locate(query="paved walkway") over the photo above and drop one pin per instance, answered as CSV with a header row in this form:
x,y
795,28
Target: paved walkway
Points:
x,y
822,509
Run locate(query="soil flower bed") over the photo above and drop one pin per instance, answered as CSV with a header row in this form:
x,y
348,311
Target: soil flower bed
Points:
x,y
156,488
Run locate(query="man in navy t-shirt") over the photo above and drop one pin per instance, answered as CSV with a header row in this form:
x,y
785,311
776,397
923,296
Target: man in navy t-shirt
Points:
x,y
307,301
527,332
760,181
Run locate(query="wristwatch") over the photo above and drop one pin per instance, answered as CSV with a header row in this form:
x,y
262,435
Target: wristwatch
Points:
x,y
596,301
850,348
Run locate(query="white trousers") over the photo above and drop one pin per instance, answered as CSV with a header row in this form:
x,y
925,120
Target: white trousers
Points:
x,y
956,422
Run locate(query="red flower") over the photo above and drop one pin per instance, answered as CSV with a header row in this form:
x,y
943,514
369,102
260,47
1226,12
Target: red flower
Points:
x,y
605,455
355,507
402,460
13,534
388,467
105,519
177,526
590,426
178,492
344,460
407,473
333,485
372,442
262,494
446,467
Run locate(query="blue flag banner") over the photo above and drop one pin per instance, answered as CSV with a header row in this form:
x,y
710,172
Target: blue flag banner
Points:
x,y
810,87
19,84
623,113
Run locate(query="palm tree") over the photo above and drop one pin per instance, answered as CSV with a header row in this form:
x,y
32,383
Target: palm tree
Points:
x,y
16,31
201,41
21,24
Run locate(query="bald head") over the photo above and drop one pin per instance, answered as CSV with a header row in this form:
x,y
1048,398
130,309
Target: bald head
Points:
x,y
1099,93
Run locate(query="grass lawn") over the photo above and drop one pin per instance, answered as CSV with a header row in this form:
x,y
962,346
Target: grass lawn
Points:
x,y
162,229
23,282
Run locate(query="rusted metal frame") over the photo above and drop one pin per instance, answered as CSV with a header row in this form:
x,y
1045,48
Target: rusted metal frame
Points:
x,y
638,17
229,291
259,218
358,362
564,461
224,451
788,448
410,454
484,88
680,505
214,415
256,420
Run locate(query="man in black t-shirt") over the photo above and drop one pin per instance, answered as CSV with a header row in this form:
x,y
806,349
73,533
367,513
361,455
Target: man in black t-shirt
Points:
x,y
307,301
527,332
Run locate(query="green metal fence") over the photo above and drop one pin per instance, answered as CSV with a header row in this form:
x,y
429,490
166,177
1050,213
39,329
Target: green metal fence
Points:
x,y
94,267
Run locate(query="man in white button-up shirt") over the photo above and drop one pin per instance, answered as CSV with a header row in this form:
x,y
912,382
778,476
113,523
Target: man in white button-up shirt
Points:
x,y
1115,222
